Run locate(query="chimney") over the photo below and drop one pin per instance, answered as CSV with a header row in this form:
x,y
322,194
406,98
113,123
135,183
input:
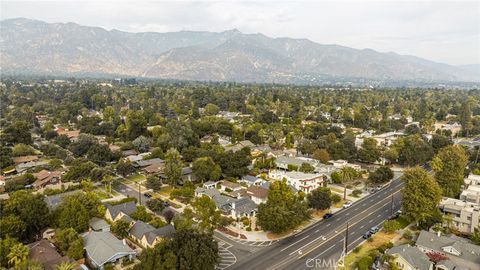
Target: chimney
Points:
x,y
439,234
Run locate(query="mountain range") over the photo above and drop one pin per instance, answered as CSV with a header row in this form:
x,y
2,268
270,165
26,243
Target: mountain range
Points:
x,y
36,47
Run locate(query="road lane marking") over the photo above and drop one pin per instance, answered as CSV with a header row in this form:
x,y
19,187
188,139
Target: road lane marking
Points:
x,y
324,252
294,243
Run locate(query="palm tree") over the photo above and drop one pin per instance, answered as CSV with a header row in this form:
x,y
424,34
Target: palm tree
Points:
x,y
18,254
346,173
65,266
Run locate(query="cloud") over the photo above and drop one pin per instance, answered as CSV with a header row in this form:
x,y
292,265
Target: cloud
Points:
x,y
441,31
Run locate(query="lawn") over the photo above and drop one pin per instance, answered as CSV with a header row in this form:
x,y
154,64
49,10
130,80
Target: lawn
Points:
x,y
379,239
165,191
136,177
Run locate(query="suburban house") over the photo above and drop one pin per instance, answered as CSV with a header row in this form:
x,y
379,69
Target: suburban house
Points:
x,y
283,162
250,180
209,185
147,235
154,168
71,134
139,157
410,258
187,175
338,164
388,138
466,215
45,253
228,186
145,163
239,146
45,178
257,194
131,152
460,251
454,127
53,201
120,211
233,207
102,248
98,225
471,191
24,159
305,182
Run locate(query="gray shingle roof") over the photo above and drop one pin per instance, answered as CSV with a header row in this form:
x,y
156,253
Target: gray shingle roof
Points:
x,y
412,255
245,206
98,224
127,208
102,246
468,251
54,201
148,162
140,228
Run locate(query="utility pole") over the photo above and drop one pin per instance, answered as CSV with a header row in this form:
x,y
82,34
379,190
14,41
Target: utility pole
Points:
x,y
139,194
346,241
391,208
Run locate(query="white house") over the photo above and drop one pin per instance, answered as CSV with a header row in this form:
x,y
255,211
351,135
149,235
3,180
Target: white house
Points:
x,y
305,182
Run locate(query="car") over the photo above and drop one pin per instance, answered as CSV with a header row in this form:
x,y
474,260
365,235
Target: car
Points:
x,y
373,190
378,188
166,204
367,235
347,204
327,215
148,195
374,230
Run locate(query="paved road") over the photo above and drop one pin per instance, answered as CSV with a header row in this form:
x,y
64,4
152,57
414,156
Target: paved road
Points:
x,y
320,245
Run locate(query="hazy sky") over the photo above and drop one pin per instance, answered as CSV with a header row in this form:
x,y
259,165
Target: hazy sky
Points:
x,y
446,32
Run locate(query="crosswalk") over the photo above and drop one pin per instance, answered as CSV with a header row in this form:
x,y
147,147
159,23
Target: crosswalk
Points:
x,y
227,258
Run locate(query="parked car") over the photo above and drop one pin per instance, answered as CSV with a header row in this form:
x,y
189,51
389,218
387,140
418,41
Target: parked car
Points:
x,y
327,215
373,190
367,235
378,188
148,195
166,204
374,230
347,204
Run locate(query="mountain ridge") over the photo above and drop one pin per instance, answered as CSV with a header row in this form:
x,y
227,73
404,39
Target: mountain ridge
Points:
x,y
36,46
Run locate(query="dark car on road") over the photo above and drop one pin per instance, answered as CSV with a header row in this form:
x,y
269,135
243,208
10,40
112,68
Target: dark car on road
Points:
x,y
367,235
327,215
148,195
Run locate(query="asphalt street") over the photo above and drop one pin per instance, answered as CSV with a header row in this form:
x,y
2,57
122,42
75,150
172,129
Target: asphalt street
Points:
x,y
320,245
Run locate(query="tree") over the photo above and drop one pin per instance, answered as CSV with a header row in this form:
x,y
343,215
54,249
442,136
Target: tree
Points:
x,y
211,109
320,198
62,141
475,236
141,144
29,208
381,175
322,155
205,169
120,228
5,157
154,183
18,254
168,215
73,214
369,152
391,226
346,174
70,243
135,124
160,257
449,166
156,205
125,167
306,168
421,195
235,164
12,226
6,245
17,132
413,150
173,166
65,266
141,214
22,150
195,250
207,210
283,210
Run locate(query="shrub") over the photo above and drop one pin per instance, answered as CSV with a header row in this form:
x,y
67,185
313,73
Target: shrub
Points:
x,y
249,229
356,192
407,234
357,249
336,198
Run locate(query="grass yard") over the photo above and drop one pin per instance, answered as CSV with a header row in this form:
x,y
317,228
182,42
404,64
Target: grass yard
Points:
x,y
379,239
165,191
136,177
